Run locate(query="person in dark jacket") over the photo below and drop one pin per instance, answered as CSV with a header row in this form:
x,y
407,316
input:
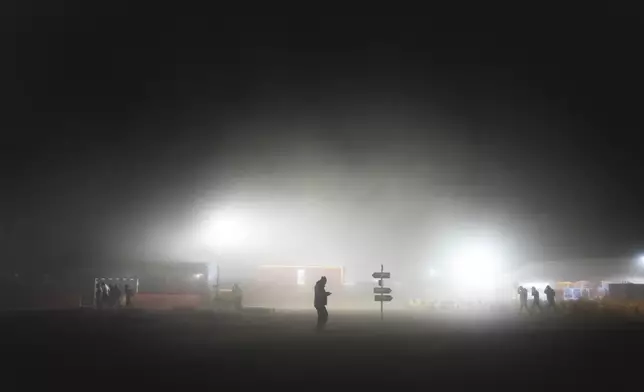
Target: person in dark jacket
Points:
x,y
98,296
320,302
128,296
535,299
523,299
116,293
550,297
105,295
237,296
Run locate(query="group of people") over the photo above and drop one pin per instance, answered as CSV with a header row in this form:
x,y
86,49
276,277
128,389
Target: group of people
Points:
x,y
536,304
110,296
321,295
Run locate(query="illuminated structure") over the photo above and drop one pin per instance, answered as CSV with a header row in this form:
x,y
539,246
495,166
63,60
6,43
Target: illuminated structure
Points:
x,y
290,275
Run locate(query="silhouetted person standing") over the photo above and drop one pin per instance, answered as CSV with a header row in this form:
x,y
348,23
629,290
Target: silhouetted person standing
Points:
x,y
98,296
535,299
237,296
320,302
116,292
523,299
105,295
128,295
550,297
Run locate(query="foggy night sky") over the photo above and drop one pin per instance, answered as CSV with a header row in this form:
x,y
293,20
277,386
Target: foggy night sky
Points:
x,y
114,127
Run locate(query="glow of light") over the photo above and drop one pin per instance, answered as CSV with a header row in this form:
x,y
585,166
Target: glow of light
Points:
x,y
301,277
225,230
477,264
641,259
197,276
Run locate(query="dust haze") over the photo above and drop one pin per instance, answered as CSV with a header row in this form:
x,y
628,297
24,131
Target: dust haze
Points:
x,y
381,192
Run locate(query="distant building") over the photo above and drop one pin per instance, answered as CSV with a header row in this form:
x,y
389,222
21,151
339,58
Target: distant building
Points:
x,y
290,286
293,275
591,270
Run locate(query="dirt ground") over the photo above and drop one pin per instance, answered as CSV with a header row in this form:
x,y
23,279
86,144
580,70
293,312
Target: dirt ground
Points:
x,y
110,350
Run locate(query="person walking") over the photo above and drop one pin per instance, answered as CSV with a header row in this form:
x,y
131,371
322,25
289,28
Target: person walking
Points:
x,y
535,299
128,296
550,297
320,302
98,296
523,299
116,292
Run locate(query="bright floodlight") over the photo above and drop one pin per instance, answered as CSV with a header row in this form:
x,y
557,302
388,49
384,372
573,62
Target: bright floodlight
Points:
x,y
198,276
225,230
477,263
641,259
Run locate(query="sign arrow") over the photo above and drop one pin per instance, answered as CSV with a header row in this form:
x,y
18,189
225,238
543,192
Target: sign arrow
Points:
x,y
381,290
382,298
381,275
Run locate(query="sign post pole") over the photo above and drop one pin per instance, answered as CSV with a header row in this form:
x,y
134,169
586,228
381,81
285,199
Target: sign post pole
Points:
x,y
382,268
381,290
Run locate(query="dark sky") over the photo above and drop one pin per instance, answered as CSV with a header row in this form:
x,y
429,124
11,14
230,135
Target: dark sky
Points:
x,y
115,124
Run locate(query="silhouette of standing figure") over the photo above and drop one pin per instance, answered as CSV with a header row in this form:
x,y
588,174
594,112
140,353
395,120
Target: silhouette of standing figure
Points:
x,y
523,299
128,296
535,299
320,302
550,296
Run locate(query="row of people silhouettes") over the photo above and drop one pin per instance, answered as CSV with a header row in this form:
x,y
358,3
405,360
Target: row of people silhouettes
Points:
x,y
109,296
536,303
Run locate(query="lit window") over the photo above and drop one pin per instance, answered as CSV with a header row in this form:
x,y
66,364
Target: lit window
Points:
x,y
300,276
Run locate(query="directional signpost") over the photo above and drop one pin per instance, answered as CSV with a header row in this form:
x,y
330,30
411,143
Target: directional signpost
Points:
x,y
381,291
